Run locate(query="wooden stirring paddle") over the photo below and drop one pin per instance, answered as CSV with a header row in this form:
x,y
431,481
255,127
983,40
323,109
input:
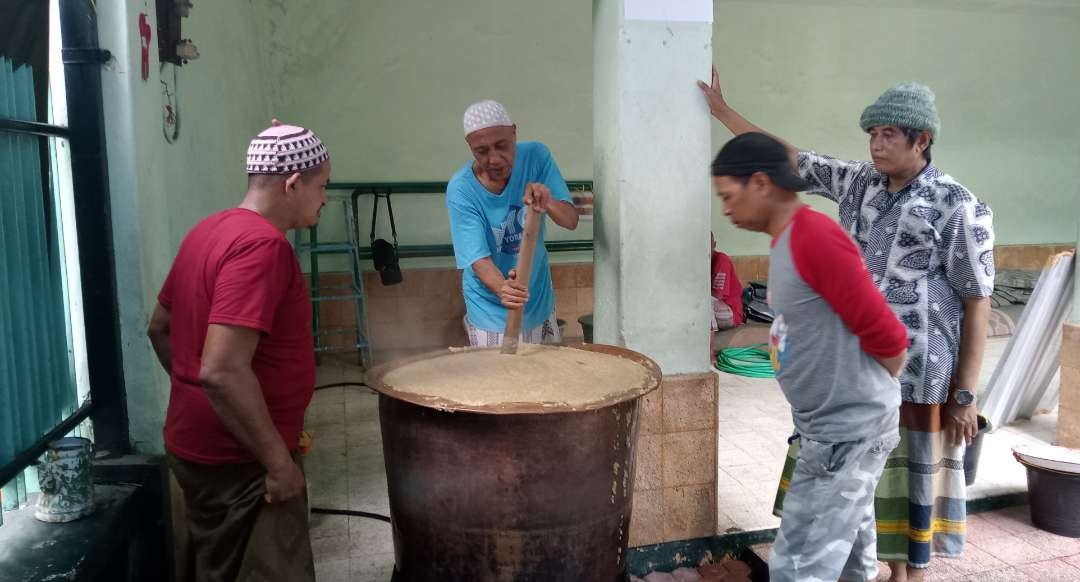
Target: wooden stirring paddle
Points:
x,y
524,271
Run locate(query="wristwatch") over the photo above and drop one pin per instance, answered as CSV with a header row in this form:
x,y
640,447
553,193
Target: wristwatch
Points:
x,y
963,397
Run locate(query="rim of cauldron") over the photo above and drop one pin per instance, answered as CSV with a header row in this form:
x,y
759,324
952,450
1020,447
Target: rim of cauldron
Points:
x,y
652,382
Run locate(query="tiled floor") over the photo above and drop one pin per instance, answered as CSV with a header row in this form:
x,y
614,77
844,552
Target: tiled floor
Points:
x,y
1003,546
345,470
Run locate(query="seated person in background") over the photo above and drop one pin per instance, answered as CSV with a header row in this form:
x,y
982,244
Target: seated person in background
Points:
x,y
727,307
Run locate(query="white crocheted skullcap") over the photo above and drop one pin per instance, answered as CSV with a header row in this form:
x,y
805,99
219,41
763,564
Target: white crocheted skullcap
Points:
x,y
485,114
284,149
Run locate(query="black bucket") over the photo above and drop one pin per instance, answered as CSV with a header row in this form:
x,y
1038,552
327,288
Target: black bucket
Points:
x,y
971,454
1055,500
586,327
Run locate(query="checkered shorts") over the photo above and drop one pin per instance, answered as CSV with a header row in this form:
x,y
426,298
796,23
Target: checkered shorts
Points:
x,y
546,333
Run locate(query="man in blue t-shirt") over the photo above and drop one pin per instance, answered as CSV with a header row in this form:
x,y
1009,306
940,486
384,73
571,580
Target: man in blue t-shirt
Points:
x,y
487,199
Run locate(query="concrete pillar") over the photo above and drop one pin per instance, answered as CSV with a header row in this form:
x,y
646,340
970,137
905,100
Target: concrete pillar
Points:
x,y
651,140
651,154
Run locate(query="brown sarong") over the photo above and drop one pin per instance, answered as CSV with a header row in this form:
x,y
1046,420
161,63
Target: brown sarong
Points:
x,y
235,536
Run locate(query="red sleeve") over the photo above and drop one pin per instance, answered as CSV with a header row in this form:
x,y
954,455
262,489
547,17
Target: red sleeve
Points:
x,y
716,289
829,262
733,293
165,295
251,282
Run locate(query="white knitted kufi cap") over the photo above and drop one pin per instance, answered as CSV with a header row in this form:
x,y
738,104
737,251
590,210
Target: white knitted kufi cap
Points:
x,y
284,149
485,114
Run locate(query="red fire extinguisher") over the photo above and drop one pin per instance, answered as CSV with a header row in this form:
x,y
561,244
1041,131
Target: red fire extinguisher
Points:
x,y
144,34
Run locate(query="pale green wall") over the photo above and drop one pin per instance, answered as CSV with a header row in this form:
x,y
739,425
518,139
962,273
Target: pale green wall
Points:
x,y
384,83
1005,75
159,190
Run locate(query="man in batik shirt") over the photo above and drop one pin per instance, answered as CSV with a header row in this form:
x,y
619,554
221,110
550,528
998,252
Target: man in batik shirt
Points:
x,y
928,244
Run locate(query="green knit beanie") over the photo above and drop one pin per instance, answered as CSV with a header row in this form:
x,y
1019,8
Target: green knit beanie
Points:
x,y
904,105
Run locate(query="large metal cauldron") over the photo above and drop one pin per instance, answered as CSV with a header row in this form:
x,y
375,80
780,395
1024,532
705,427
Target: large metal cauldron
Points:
x,y
519,492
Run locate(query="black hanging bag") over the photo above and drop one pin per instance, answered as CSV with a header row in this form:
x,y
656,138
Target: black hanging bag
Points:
x,y
383,252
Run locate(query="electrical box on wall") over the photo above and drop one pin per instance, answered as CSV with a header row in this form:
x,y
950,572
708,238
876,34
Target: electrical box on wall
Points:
x,y
172,46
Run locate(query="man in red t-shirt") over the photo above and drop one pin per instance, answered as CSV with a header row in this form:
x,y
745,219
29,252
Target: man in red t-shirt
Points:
x,y
233,329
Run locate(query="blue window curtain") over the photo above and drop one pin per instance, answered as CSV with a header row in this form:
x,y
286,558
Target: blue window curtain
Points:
x,y
37,378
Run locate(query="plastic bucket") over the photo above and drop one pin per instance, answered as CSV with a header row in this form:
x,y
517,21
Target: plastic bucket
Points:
x,y
971,454
1053,488
67,490
586,327
1055,501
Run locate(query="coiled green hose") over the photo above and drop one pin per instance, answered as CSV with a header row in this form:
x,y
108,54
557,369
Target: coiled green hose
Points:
x,y
750,361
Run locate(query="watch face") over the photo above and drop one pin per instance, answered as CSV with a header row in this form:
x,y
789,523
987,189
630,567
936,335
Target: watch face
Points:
x,y
964,397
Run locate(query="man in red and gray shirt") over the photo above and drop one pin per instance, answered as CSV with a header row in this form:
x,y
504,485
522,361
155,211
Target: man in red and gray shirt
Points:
x,y
233,329
837,348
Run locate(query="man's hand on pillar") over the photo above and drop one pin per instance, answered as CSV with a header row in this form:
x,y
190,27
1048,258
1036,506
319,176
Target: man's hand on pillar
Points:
x,y
713,95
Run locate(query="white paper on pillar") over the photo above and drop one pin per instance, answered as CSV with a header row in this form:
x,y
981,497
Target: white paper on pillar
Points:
x,y
669,10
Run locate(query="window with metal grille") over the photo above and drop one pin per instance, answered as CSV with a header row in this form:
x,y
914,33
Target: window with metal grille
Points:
x,y
46,377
